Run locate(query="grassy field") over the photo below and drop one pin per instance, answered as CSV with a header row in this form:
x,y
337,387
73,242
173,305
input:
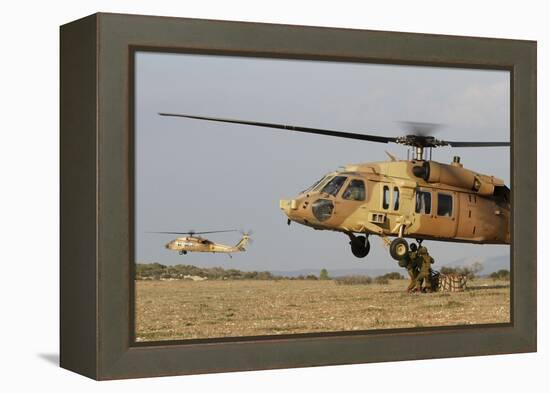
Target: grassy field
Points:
x,y
181,309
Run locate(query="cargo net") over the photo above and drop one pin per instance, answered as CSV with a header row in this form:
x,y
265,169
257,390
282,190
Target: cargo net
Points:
x,y
448,282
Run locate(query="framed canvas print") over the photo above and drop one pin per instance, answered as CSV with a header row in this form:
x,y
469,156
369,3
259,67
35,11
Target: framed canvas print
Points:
x,y
241,196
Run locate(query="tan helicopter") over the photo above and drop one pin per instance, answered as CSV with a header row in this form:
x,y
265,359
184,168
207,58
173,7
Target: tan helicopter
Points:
x,y
418,198
192,243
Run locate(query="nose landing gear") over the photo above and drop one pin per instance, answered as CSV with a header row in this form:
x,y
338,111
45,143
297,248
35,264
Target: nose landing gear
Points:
x,y
399,248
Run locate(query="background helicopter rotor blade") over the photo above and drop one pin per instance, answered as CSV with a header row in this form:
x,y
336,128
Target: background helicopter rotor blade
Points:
x,y
308,130
195,233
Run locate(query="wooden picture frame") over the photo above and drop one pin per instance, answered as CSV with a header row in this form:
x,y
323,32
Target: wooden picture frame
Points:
x,y
96,317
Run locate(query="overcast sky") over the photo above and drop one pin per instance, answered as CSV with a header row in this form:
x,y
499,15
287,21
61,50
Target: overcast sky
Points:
x,y
199,175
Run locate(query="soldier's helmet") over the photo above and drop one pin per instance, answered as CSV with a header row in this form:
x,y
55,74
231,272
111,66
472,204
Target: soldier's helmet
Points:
x,y
422,250
413,247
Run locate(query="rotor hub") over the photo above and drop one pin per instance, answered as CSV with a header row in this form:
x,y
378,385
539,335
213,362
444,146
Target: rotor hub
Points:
x,y
419,141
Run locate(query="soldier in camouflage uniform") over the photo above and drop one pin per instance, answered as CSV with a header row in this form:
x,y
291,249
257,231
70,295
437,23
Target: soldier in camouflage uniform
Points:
x,y
412,266
425,269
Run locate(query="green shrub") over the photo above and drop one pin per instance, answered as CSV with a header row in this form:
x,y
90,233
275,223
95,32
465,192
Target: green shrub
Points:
x,y
353,280
393,276
469,271
381,280
502,274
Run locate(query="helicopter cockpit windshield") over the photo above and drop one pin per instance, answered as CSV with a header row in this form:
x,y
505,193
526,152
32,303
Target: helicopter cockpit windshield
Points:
x,y
334,185
317,185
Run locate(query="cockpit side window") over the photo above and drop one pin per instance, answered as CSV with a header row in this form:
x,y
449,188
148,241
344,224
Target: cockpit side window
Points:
x,y
334,185
355,190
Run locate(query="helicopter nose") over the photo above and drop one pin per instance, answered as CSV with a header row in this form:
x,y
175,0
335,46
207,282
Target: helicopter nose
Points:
x,y
287,206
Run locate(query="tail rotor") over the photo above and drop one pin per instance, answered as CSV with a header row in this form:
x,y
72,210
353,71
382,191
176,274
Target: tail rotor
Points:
x,y
247,235
246,239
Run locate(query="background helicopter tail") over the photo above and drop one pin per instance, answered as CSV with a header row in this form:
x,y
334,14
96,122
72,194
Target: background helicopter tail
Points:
x,y
244,241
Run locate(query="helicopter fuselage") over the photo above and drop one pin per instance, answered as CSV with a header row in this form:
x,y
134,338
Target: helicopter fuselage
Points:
x,y
199,244
412,199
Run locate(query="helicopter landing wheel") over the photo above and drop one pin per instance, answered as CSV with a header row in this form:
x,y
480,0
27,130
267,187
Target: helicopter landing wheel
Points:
x,y
399,248
183,252
360,246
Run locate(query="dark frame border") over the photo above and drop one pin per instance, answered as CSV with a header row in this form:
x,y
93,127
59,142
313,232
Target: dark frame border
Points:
x,y
96,195
133,50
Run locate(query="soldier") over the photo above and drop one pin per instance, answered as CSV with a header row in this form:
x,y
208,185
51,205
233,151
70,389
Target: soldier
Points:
x,y
411,264
425,269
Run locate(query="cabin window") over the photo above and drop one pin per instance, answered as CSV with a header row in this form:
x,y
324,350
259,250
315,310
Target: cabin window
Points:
x,y
423,202
444,205
334,185
386,197
355,190
395,198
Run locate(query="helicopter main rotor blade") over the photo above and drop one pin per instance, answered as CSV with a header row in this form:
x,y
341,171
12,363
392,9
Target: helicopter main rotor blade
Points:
x,y
308,130
474,144
196,233
227,230
418,138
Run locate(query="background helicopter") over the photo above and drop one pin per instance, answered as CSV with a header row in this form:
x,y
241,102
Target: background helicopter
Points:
x,y
192,243
418,198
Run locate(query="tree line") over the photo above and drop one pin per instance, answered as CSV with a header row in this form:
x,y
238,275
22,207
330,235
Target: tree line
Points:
x,y
157,271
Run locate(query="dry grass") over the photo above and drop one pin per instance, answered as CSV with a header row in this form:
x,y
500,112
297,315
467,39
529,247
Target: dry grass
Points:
x,y
171,310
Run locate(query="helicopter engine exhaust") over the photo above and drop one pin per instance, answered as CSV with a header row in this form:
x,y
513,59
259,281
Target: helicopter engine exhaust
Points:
x,y
455,175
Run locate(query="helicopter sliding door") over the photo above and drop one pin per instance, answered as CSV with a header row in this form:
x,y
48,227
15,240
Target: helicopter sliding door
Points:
x,y
423,212
446,212
435,213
